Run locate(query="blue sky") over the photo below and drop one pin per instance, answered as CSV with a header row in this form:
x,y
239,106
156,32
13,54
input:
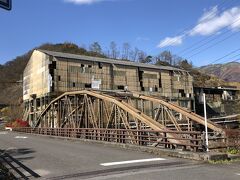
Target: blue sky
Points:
x,y
200,30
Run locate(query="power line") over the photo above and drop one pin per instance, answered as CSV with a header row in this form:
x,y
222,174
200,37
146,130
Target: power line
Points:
x,y
231,58
170,42
213,45
211,39
216,60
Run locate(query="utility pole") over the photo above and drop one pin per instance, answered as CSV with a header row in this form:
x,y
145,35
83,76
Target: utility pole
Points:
x,y
205,118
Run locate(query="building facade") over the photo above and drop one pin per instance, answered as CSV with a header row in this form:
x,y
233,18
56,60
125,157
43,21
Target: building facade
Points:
x,y
49,74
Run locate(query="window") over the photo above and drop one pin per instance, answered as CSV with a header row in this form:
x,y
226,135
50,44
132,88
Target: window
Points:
x,y
140,75
82,65
59,78
141,85
74,84
120,87
181,91
160,83
89,66
100,65
88,85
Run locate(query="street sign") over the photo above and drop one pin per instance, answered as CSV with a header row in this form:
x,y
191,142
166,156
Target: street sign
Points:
x,y
6,4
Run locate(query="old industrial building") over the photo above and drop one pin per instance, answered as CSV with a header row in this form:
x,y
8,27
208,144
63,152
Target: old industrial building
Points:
x,y
49,74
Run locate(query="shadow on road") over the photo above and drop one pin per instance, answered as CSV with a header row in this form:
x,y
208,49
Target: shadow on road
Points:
x,y
20,154
13,160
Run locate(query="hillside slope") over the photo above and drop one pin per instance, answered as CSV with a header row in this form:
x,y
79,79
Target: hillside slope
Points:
x,y
12,71
229,72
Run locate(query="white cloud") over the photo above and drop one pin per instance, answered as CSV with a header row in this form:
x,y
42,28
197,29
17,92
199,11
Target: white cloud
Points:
x,y
212,21
83,2
209,14
171,41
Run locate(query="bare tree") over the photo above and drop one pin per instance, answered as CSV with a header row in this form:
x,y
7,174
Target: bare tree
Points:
x,y
113,50
134,54
126,51
141,56
166,56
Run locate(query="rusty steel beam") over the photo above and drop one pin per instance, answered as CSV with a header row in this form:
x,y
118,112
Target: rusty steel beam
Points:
x,y
194,117
116,103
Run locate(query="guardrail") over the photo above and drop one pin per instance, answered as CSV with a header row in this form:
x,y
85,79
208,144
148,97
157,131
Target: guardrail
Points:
x,y
190,140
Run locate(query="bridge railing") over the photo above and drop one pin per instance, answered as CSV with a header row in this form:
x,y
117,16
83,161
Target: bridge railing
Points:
x,y
192,140
189,140
231,139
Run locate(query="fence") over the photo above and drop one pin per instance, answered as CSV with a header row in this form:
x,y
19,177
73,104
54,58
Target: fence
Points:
x,y
182,139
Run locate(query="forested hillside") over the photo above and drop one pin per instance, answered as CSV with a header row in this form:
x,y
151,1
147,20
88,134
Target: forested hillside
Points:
x,y
229,72
11,72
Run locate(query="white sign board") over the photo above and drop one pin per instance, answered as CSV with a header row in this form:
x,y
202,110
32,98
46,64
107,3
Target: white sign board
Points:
x,y
96,84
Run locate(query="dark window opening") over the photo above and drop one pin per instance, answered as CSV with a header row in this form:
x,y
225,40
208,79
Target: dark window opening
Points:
x,y
170,73
155,88
82,65
59,78
141,85
74,84
88,85
181,91
38,102
160,83
52,65
52,88
120,87
140,74
100,65
89,66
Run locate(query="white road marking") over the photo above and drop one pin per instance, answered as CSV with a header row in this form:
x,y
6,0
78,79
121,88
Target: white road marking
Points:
x,y
21,137
238,174
131,161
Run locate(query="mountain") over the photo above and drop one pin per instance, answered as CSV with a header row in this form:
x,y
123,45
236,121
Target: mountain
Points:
x,y
229,72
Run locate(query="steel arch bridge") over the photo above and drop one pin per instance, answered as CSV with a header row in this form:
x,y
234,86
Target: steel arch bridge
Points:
x,y
132,112
95,109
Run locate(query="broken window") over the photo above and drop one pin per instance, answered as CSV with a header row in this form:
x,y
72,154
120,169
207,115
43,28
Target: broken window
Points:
x,y
120,87
181,91
100,65
160,83
88,85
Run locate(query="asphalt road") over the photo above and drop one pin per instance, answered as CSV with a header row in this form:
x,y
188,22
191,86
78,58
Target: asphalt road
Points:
x,y
64,159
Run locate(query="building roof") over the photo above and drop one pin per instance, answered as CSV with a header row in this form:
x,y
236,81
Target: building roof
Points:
x,y
106,60
221,88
